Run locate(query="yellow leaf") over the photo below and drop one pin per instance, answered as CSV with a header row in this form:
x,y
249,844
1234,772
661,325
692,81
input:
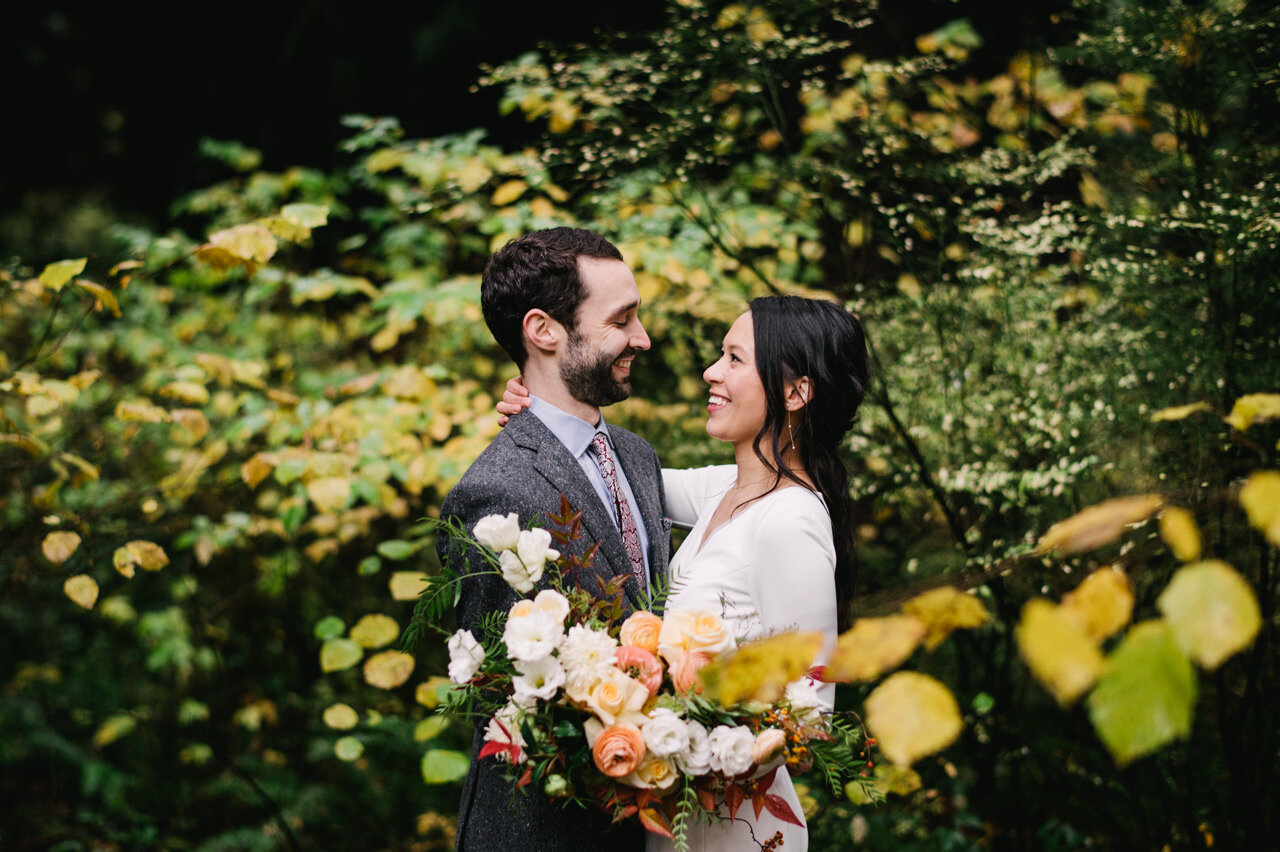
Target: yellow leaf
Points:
x,y
388,669
429,728
58,546
1057,651
912,715
330,493
761,670
944,610
898,780
223,259
1260,498
257,468
1180,412
375,630
193,420
56,275
193,393
123,562
145,554
339,654
407,585
305,215
102,294
140,411
251,242
428,692
348,749
874,646
341,717
909,286
1098,525
508,192
1102,604
1211,610
1254,407
409,382
113,729
82,589
1179,531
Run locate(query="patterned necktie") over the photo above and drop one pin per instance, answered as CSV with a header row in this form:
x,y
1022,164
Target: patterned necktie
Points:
x,y
626,522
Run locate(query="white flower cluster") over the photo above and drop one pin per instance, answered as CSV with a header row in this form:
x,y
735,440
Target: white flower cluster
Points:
x,y
522,554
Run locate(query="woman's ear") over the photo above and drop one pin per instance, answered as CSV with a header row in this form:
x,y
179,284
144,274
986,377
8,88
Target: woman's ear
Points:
x,y
798,394
541,331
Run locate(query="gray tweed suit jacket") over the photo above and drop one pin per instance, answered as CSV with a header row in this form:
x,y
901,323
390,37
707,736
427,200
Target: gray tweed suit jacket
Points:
x,y
525,470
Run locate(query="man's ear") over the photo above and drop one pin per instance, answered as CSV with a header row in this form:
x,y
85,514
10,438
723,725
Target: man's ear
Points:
x,y
541,331
798,394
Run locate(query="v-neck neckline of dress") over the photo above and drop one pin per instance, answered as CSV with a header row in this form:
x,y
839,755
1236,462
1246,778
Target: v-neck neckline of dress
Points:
x,y
707,536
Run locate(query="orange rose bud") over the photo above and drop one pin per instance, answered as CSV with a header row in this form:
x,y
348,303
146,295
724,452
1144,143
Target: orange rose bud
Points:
x,y
641,665
618,750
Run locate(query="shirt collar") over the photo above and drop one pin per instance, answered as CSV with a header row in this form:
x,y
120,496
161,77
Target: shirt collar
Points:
x,y
574,432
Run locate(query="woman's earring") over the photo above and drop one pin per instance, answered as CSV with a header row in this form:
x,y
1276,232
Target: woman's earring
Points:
x,y
791,435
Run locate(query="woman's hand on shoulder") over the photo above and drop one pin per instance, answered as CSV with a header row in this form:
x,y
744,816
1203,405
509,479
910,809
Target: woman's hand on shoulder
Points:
x,y
514,398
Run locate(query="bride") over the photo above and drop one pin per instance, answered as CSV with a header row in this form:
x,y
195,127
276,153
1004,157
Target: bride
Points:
x,y
771,547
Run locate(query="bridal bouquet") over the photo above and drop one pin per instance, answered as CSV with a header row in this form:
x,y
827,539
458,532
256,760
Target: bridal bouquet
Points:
x,y
642,715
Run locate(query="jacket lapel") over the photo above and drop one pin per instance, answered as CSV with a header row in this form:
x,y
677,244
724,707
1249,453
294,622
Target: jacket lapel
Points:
x,y
562,472
645,486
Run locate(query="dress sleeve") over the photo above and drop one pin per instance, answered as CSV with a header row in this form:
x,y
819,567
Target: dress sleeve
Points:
x,y
689,491
793,574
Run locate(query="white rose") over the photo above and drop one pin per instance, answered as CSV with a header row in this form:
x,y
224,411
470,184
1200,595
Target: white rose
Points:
x,y
665,733
500,532
805,703
519,575
549,600
465,656
731,749
534,547
532,637
537,680
695,760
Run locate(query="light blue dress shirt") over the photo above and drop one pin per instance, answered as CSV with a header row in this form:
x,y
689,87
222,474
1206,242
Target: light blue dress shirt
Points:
x,y
576,434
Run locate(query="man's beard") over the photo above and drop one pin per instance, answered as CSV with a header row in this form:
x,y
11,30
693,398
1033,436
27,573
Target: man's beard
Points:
x,y
588,374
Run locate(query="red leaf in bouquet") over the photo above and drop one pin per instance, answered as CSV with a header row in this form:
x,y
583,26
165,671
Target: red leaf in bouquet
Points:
x,y
493,748
818,673
656,821
528,776
707,799
778,807
757,803
628,811
733,797
764,782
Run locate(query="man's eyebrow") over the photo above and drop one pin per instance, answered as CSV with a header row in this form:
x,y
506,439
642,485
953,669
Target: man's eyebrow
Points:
x,y
626,309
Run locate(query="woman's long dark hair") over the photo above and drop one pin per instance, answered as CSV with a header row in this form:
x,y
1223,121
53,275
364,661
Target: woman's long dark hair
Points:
x,y
798,337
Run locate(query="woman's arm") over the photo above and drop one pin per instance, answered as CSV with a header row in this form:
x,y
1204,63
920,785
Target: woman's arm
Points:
x,y
695,490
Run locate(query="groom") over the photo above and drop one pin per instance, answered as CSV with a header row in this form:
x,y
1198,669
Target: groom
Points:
x,y
564,306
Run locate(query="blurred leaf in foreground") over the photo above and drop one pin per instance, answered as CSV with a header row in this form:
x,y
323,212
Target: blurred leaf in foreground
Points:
x,y
1057,650
1098,525
1211,610
912,715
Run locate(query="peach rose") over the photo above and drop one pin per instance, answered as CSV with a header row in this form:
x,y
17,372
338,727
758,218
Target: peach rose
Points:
x,y
618,750
613,696
770,741
641,630
520,609
641,665
684,674
684,631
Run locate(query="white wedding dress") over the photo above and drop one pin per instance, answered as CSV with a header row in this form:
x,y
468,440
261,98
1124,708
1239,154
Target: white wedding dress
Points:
x,y
768,569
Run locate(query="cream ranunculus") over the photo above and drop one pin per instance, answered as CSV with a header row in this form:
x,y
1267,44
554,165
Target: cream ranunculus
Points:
x,y
532,637
549,600
465,656
695,760
665,733
613,697
500,532
654,772
731,749
692,630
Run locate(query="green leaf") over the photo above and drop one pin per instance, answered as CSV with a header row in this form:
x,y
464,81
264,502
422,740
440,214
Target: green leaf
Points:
x,y
397,549
1146,697
1211,610
306,215
369,565
329,627
443,767
429,727
339,654
56,275
348,749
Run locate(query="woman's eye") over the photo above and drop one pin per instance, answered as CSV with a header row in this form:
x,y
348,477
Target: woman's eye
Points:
x,y
735,358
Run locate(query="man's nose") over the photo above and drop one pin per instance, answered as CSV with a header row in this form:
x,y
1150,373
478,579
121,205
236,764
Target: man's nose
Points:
x,y
639,339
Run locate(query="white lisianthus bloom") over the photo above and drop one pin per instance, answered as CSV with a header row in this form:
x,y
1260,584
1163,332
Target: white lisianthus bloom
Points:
x,y
731,749
805,703
500,532
695,760
665,733
534,548
532,637
519,575
504,727
465,656
537,680
549,600
584,652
